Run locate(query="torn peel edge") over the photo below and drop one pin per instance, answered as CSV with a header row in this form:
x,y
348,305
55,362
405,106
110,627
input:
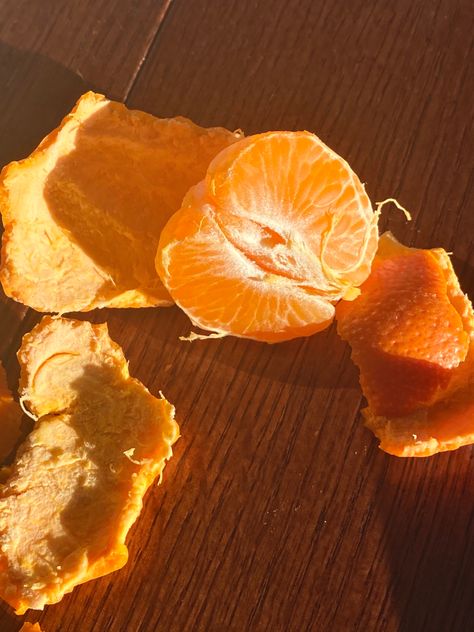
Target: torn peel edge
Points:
x,y
27,412
410,445
99,568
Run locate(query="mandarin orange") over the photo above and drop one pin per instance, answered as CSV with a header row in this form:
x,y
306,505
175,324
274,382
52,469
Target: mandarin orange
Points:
x,y
412,336
279,230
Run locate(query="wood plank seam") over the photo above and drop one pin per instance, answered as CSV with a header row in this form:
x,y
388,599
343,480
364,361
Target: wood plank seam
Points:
x,y
164,13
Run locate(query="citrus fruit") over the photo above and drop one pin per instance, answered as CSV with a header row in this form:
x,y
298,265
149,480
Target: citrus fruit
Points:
x,y
278,231
84,212
411,331
78,480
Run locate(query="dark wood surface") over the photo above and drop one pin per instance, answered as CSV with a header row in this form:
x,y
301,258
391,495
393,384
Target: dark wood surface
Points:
x,y
278,512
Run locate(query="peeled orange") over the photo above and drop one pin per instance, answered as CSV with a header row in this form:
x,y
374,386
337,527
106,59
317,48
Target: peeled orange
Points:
x,y
412,336
279,230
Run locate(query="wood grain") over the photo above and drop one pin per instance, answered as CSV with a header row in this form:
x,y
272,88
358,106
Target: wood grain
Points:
x,y
104,42
278,512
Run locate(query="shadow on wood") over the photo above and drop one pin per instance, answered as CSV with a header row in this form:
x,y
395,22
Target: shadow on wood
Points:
x,y
35,93
429,527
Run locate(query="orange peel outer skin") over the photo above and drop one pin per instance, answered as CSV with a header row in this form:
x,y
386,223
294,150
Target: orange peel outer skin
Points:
x,y
411,331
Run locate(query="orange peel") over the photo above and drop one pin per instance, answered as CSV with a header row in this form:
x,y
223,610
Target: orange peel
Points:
x,y
83,213
411,331
10,419
73,492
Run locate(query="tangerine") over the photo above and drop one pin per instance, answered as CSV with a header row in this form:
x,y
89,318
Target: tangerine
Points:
x,y
279,230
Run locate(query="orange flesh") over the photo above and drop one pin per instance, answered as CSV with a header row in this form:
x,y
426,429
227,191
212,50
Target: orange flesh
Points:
x,y
279,230
78,480
412,336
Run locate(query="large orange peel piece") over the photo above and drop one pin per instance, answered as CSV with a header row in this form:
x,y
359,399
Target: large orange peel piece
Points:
x,y
79,478
278,231
412,336
10,419
83,213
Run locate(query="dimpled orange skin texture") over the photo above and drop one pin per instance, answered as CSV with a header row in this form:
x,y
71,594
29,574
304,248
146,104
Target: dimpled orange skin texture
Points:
x,y
412,336
10,418
78,480
83,213
278,231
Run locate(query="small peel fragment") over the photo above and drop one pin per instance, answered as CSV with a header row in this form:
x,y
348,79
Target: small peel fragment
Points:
x,y
412,337
10,419
83,213
30,627
193,336
129,454
74,489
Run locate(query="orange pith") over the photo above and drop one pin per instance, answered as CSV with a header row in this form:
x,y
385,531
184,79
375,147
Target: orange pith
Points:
x,y
78,480
83,213
412,336
279,230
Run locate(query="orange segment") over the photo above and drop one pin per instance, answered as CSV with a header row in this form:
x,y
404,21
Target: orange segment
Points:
x,y
279,230
412,336
84,212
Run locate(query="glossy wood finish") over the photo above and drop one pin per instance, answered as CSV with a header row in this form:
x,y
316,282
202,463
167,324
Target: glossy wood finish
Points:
x,y
278,512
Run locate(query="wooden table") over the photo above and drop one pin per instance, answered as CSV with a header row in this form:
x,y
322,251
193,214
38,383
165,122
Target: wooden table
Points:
x,y
278,511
